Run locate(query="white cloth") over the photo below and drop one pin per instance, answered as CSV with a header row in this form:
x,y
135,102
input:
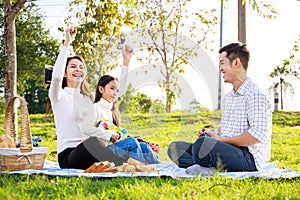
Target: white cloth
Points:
x,y
248,109
17,151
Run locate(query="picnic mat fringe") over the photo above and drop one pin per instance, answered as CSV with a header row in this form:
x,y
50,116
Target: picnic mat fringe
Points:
x,y
166,169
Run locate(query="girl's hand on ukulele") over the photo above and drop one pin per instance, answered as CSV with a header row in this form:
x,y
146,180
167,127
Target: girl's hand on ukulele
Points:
x,y
114,137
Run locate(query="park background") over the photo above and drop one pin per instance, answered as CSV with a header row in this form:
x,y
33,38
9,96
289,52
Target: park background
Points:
x,y
176,125
270,42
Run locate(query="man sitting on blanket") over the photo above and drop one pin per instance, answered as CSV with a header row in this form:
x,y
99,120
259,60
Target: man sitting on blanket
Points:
x,y
243,142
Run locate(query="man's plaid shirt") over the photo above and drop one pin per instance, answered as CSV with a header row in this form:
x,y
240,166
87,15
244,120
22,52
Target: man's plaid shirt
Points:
x,y
248,109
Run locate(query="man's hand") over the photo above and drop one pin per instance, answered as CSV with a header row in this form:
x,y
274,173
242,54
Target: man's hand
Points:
x,y
127,52
70,35
201,132
213,135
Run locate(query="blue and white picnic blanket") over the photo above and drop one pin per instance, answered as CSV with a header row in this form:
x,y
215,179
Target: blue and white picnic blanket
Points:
x,y
166,169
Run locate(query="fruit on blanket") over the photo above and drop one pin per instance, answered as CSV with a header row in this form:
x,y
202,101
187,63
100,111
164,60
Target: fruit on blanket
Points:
x,y
7,141
132,165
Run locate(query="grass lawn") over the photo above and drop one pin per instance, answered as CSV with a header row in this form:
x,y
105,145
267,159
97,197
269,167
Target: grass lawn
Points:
x,y
162,129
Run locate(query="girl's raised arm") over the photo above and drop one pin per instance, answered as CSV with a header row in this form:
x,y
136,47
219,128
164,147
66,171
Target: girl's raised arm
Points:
x,y
127,52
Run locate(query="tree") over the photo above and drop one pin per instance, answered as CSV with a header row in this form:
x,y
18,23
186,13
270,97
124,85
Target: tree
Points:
x,y
157,107
164,22
99,39
280,73
11,11
10,86
195,105
263,9
143,103
289,68
295,55
35,49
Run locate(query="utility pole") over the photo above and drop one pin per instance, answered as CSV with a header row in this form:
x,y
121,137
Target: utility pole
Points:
x,y
220,76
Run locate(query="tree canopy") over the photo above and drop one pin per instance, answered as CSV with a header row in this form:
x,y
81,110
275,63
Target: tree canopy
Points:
x,y
99,38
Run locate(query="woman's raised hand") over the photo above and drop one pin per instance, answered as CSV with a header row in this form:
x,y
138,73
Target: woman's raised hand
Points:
x,y
70,35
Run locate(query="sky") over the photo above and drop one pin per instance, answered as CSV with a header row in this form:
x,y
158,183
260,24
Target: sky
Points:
x,y
270,41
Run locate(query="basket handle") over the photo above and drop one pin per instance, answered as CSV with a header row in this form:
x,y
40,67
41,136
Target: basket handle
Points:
x,y
25,136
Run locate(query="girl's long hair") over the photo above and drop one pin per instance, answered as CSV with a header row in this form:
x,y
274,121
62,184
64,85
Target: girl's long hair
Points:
x,y
103,81
84,87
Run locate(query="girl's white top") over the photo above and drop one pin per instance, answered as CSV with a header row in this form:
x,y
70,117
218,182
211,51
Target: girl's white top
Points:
x,y
98,112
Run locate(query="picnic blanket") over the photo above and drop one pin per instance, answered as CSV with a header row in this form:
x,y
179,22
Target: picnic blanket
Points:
x,y
166,169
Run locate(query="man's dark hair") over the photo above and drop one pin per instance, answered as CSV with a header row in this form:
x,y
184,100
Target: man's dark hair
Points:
x,y
237,50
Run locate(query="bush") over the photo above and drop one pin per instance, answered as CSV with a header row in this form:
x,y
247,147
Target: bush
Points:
x,y
2,106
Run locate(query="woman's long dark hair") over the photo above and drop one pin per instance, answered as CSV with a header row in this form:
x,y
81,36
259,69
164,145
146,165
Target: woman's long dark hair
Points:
x,y
103,81
84,87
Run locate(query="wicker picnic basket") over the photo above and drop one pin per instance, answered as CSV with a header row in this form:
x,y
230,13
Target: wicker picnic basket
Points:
x,y
27,156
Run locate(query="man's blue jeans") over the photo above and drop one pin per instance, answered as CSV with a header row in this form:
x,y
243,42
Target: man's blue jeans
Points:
x,y
209,152
131,148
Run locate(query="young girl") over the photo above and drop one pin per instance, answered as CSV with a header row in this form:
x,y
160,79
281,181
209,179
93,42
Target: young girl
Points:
x,y
105,108
70,97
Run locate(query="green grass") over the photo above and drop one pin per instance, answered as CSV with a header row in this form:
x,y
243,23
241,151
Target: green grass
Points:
x,y
162,129
43,187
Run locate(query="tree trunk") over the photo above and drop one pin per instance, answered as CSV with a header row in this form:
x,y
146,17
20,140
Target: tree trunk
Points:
x,y
281,93
10,85
168,100
281,100
168,106
11,57
241,21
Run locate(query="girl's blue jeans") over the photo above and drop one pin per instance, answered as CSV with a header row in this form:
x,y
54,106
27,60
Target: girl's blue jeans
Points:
x,y
131,148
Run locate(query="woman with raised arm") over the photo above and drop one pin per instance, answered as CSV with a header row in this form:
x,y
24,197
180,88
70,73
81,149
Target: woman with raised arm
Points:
x,y
70,97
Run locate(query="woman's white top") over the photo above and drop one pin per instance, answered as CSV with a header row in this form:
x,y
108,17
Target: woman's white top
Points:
x,y
70,107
